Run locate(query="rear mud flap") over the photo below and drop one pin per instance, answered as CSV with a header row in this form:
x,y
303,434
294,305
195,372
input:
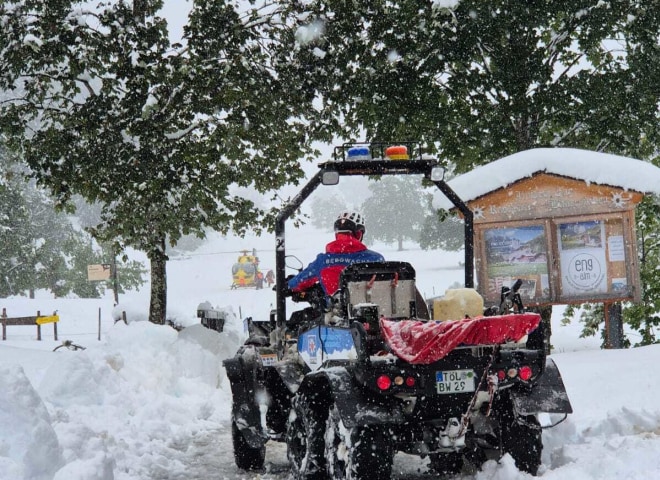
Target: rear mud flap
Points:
x,y
242,375
547,396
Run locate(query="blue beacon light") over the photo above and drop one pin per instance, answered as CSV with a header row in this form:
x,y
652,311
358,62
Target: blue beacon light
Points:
x,y
359,153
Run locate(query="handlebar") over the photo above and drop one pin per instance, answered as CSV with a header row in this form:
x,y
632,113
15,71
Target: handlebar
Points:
x,y
511,299
313,295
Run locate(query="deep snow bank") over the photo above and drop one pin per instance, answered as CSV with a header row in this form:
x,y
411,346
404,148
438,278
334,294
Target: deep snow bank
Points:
x,y
121,409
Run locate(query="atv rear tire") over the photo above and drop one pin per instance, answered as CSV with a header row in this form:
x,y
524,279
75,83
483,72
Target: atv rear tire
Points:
x,y
521,438
245,456
357,453
447,463
304,438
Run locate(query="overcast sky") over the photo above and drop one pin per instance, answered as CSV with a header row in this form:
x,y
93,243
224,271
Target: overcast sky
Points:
x,y
176,12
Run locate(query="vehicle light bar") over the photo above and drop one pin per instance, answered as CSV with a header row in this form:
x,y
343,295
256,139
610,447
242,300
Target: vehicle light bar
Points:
x,y
397,152
359,153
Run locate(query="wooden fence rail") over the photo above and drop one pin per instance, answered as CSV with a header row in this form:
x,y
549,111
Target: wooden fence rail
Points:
x,y
37,320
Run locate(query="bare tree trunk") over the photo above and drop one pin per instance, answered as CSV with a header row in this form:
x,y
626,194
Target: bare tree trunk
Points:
x,y
158,305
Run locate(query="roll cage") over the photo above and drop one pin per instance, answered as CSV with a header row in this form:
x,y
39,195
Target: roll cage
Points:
x,y
342,165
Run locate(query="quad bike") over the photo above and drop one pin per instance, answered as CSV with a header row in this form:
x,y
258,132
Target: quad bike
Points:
x,y
349,381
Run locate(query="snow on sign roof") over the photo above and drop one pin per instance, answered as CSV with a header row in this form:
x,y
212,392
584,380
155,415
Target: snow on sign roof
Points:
x,y
592,167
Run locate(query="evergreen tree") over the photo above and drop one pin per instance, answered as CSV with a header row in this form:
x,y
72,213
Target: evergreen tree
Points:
x,y
442,231
396,210
325,210
15,240
644,317
102,105
40,248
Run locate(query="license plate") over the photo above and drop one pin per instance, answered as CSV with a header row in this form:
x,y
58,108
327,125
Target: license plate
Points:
x,y
454,381
268,359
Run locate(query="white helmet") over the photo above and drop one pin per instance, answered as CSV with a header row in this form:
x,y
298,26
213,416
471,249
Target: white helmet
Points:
x,y
352,222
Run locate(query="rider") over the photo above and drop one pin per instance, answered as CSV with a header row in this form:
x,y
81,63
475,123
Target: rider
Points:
x,y
346,249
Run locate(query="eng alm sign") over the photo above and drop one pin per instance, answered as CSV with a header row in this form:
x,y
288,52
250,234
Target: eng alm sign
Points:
x,y
569,241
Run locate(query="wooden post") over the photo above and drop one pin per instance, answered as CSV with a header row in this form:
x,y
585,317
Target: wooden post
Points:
x,y
4,324
38,327
606,311
115,281
613,325
55,330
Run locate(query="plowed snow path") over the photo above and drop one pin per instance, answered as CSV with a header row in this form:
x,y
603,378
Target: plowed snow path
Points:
x,y
598,454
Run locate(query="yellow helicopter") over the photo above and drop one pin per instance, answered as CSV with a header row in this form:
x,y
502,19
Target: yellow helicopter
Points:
x,y
245,272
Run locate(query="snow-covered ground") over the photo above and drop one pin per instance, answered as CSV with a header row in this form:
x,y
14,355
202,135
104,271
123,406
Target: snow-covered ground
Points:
x,y
146,402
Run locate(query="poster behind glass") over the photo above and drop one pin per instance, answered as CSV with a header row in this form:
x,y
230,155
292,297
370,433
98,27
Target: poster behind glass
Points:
x,y
582,258
517,253
588,250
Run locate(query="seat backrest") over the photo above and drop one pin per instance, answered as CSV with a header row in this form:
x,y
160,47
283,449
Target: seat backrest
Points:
x,y
389,285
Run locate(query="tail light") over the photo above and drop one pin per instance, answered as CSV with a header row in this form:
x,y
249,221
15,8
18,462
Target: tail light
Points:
x,y
525,373
383,382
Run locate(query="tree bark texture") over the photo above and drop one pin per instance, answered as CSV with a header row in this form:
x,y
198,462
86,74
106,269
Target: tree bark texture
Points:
x,y
158,304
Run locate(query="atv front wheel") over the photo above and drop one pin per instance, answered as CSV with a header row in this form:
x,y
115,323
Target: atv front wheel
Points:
x,y
245,456
358,453
304,438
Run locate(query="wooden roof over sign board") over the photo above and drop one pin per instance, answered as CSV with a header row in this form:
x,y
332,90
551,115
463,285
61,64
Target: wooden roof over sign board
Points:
x,y
621,180
546,195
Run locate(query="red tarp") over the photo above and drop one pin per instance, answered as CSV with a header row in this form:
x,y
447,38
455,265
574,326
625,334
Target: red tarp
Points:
x,y
425,342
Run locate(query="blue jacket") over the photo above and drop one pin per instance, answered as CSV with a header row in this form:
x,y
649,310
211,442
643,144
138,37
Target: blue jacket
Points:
x,y
326,268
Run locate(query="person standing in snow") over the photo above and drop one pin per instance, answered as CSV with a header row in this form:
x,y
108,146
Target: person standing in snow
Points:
x,y
270,278
259,279
346,249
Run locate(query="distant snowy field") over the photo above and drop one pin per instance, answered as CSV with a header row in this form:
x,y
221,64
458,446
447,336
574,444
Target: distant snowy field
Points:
x,y
146,402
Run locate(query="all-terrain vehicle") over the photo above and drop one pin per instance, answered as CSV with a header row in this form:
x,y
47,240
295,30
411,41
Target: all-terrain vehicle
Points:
x,y
347,383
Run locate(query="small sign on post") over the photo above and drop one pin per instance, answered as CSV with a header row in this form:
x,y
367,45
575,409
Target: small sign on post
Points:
x,y
47,319
99,272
